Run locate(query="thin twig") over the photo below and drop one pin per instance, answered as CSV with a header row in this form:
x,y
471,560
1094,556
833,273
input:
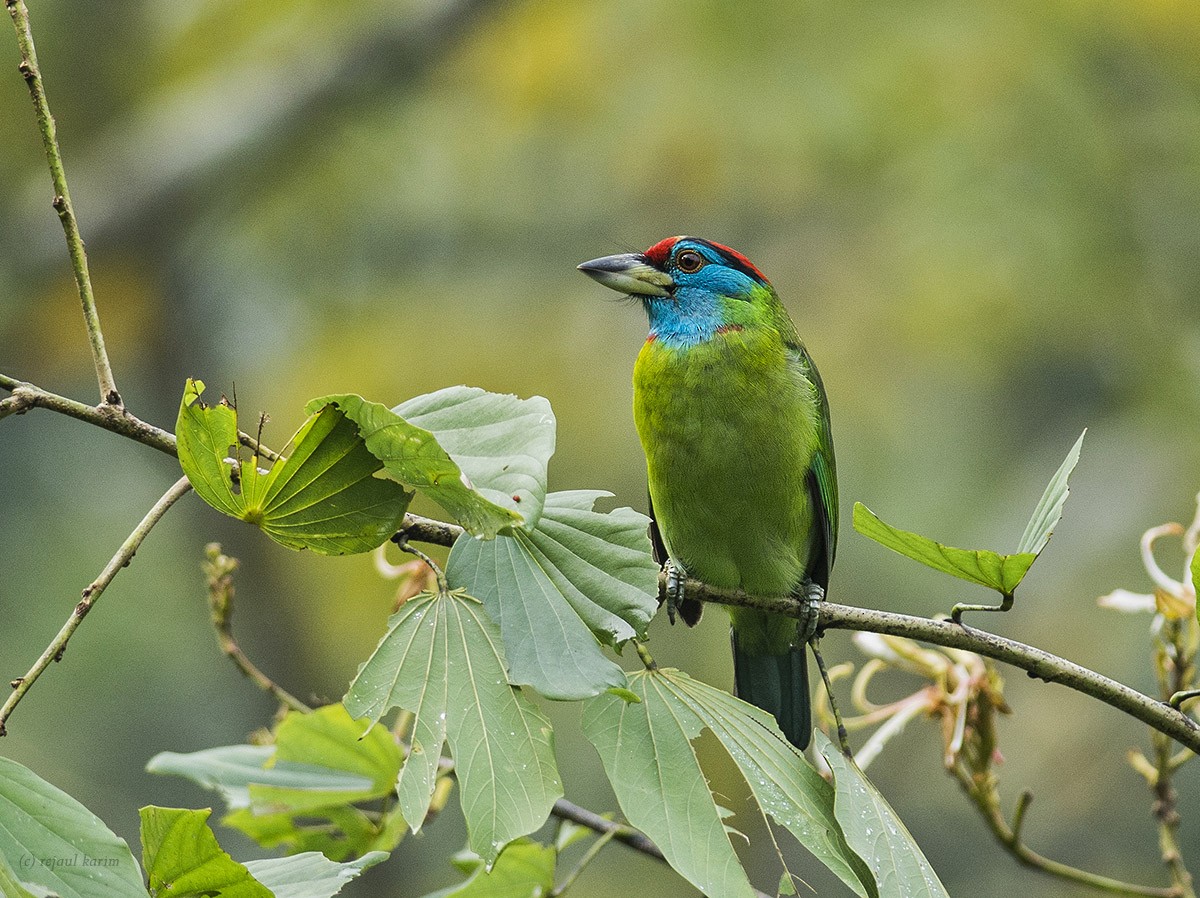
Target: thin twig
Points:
x,y
62,201
623,833
218,572
588,856
1009,837
117,419
91,595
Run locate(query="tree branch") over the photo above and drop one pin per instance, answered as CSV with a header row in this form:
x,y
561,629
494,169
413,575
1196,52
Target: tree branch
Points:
x,y
91,595
62,201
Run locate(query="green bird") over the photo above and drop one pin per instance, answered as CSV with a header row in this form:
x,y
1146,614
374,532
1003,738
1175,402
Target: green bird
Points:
x,y
734,421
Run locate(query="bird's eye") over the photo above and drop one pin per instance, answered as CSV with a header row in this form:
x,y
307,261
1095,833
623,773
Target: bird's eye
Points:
x,y
689,261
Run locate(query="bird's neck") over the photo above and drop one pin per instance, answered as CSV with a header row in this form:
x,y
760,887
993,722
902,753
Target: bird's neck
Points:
x,y
684,321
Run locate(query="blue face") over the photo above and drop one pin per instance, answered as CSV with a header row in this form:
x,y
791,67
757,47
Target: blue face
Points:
x,y
704,280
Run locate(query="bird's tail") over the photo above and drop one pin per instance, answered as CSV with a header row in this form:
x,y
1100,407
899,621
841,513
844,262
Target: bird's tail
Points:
x,y
778,684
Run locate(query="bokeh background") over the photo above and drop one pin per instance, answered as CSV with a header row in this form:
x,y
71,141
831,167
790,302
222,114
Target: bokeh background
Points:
x,y
983,218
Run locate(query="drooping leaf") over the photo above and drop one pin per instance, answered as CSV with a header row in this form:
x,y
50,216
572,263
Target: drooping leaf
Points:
x,y
442,659
783,783
183,860
525,869
51,844
648,756
1049,508
497,478
875,832
309,875
1002,573
322,495
578,576
502,443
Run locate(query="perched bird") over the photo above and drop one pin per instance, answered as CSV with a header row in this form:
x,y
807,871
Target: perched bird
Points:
x,y
734,422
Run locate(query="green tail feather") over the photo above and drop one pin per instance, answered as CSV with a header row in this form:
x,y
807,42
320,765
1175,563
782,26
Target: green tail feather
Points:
x,y
778,684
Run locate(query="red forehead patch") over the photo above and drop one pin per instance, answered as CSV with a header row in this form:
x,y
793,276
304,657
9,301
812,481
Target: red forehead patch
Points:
x,y
658,254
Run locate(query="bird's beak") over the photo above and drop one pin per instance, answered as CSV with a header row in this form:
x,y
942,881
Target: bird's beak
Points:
x,y
629,273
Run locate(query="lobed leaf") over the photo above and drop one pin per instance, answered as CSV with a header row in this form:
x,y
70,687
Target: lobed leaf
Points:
x,y
1002,573
578,576
321,495
495,481
874,831
783,783
648,756
52,844
442,659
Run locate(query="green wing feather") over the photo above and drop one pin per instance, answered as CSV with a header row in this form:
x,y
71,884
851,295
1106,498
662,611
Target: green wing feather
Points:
x,y
822,473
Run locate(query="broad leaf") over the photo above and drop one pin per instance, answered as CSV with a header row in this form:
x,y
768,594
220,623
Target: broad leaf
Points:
x,y
875,832
322,495
782,781
442,659
309,875
525,869
648,756
183,860
1049,508
503,441
51,844
1002,573
578,576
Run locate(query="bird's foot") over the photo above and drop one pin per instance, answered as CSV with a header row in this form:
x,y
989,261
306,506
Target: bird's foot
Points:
x,y
674,597
811,596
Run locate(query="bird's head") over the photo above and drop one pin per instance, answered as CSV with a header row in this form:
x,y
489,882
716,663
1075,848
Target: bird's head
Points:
x,y
691,288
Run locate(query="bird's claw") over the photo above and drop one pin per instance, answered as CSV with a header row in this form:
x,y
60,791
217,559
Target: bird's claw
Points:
x,y
811,596
674,596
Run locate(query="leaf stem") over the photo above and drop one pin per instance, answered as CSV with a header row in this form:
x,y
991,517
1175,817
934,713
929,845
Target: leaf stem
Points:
x,y
644,654
588,856
401,540
62,201
218,572
91,594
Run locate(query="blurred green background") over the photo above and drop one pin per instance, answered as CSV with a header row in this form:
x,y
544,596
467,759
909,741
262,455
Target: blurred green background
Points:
x,y
983,218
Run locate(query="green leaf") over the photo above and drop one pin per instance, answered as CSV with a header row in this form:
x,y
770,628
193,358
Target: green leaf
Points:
x,y
502,443
12,887
782,781
309,875
442,659
578,576
328,739
1049,508
525,869
875,832
323,495
496,479
282,795
1002,573
51,844
648,756
1196,578
183,860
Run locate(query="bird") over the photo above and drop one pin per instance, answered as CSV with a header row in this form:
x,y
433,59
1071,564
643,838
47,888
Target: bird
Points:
x,y
734,422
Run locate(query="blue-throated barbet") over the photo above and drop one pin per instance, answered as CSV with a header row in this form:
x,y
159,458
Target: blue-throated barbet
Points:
x,y
734,422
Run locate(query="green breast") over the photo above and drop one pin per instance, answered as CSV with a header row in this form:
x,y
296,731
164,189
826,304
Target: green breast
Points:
x,y
729,428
